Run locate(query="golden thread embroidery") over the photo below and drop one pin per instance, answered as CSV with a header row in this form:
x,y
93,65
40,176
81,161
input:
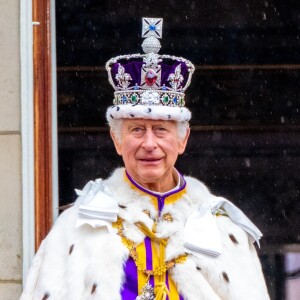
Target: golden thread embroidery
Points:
x,y
130,245
167,217
147,212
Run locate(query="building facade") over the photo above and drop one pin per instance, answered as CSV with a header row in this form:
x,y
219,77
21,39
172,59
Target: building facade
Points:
x,y
10,152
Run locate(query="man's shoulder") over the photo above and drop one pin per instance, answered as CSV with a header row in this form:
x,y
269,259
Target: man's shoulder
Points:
x,y
194,184
66,221
197,191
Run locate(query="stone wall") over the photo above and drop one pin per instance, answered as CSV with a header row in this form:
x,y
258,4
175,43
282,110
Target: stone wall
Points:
x,y
10,152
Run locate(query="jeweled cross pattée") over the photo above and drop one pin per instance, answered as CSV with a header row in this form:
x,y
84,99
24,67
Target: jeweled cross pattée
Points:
x,y
152,27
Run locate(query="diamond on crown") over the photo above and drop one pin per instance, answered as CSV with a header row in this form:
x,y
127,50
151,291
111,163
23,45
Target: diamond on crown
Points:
x,y
176,78
123,78
150,98
151,60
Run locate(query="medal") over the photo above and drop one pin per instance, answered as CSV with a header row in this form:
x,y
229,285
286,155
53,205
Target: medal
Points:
x,y
147,292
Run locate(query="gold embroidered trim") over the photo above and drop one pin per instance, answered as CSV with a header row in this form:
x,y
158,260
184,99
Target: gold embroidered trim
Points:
x,y
130,245
167,217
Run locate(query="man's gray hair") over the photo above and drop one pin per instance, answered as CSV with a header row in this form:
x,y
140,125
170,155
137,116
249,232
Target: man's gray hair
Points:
x,y
116,127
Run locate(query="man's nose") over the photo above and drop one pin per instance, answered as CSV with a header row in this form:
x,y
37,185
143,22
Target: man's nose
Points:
x,y
149,142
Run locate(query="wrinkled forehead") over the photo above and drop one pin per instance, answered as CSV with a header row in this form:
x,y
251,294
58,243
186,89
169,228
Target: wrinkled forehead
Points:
x,y
149,122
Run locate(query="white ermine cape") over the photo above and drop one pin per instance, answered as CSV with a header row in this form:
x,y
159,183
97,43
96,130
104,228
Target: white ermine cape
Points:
x,y
82,257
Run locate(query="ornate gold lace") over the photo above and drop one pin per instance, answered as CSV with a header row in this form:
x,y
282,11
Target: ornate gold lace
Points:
x,y
130,245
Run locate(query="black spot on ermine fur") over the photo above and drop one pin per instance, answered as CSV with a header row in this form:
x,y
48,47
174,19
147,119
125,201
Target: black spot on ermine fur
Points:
x,y
225,276
233,238
46,296
71,249
93,288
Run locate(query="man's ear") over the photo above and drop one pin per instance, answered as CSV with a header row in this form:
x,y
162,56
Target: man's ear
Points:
x,y
117,143
183,142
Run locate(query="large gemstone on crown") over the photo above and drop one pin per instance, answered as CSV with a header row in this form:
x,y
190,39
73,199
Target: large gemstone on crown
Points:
x,y
150,98
150,77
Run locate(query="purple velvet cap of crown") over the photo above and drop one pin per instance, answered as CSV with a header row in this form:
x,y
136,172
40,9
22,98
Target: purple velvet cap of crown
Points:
x,y
134,68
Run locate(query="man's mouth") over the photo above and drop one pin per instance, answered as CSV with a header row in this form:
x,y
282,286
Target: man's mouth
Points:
x,y
150,159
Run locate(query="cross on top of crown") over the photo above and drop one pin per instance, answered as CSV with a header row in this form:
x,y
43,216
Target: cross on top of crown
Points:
x,y
152,27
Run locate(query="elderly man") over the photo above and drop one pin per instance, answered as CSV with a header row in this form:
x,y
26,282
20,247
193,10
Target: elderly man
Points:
x,y
148,232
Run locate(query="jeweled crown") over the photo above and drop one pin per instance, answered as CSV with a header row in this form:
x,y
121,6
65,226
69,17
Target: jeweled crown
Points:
x,y
150,79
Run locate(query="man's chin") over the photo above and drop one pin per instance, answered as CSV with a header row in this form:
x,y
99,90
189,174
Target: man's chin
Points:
x,y
150,174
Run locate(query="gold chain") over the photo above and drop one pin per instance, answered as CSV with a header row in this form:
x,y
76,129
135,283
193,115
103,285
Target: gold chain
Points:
x,y
130,245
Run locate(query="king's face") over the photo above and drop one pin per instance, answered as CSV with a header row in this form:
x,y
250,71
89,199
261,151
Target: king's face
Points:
x,y
149,149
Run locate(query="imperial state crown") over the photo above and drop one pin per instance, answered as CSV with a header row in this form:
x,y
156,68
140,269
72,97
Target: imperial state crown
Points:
x,y
149,85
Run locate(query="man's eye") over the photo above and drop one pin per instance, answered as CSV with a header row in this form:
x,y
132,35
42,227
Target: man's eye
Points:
x,y
137,129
